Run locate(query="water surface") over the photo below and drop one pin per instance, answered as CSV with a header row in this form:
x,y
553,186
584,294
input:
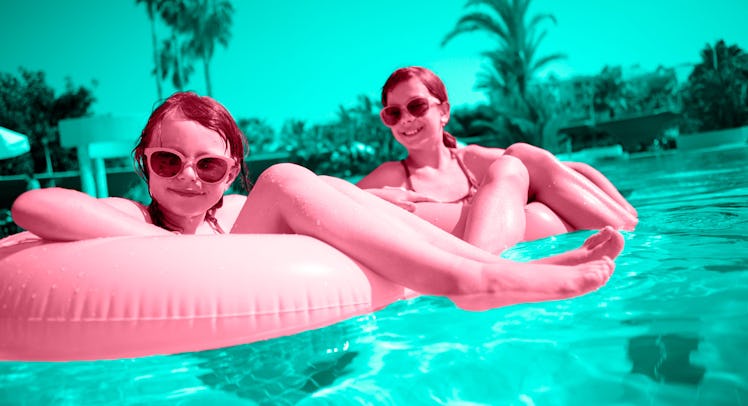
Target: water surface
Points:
x,y
671,327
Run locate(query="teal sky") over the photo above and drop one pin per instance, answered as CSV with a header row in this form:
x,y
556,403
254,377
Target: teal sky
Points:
x,y
302,59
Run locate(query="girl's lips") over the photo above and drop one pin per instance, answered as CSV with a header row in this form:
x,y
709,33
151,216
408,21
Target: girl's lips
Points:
x,y
186,193
410,133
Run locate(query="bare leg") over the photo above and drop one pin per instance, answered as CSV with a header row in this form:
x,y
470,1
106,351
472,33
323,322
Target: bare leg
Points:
x,y
606,243
542,284
542,222
603,183
497,214
571,195
291,199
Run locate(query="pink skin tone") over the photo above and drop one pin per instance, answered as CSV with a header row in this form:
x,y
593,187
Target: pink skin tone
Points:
x,y
524,191
185,198
290,199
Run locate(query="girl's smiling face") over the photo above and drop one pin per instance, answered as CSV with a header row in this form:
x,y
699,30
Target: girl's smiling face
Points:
x,y
413,131
186,195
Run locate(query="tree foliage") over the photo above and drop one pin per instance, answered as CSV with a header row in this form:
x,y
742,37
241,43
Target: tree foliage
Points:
x,y
511,68
30,106
353,144
196,28
646,93
716,94
260,135
514,62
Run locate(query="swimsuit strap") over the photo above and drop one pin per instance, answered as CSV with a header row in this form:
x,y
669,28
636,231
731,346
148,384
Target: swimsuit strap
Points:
x,y
408,183
215,226
472,182
469,175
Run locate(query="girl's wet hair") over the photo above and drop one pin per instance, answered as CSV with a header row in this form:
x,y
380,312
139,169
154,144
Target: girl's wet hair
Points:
x,y
211,115
429,79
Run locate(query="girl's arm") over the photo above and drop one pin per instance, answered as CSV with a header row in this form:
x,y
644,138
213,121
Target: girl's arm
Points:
x,y
68,215
386,182
387,174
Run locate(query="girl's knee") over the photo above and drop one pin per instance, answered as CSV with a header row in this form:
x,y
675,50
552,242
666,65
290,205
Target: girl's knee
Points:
x,y
507,168
331,180
283,171
529,154
283,176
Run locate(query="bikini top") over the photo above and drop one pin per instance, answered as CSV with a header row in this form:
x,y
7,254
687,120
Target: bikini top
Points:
x,y
470,178
157,218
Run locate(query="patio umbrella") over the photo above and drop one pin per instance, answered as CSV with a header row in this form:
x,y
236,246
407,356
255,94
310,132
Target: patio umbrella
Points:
x,y
12,143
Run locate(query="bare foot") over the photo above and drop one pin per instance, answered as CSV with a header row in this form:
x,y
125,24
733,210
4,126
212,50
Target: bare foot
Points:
x,y
517,283
606,243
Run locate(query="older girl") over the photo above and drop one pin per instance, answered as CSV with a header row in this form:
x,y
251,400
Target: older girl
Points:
x,y
491,198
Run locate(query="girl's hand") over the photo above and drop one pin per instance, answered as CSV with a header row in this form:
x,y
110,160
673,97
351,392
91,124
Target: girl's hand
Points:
x,y
401,197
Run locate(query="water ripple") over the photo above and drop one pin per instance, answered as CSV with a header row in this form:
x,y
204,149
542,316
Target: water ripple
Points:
x,y
670,327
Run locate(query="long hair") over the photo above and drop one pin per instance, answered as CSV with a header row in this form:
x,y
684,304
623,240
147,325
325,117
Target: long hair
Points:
x,y
211,115
429,79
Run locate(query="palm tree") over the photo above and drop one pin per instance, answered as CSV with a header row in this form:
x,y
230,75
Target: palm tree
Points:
x,y
611,92
716,95
196,27
513,63
152,6
173,61
210,24
522,112
174,54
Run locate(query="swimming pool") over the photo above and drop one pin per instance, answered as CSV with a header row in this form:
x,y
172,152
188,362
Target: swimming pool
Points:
x,y
671,327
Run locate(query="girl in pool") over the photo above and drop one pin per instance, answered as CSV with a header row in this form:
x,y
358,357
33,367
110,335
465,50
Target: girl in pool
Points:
x,y
191,150
491,198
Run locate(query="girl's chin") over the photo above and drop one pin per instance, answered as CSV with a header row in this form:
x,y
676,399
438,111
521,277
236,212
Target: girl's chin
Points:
x,y
420,142
187,210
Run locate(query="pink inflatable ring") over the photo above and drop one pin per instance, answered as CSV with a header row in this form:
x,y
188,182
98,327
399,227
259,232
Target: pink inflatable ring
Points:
x,y
125,297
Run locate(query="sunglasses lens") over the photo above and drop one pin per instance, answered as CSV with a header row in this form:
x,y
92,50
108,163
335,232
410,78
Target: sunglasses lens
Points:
x,y
418,107
391,115
165,164
211,170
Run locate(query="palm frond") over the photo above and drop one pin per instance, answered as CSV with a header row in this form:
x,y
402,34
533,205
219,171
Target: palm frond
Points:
x,y
539,18
477,22
542,62
533,43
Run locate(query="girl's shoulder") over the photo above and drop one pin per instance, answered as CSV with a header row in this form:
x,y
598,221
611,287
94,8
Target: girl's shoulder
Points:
x,y
132,208
474,154
389,173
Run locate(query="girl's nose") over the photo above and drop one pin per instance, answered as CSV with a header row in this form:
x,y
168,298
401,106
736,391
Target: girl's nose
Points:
x,y
407,117
188,172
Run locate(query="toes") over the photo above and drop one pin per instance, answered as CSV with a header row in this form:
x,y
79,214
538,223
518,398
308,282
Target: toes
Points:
x,y
609,266
616,244
598,274
598,238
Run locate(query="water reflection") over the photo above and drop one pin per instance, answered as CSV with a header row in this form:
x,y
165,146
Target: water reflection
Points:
x,y
282,371
665,358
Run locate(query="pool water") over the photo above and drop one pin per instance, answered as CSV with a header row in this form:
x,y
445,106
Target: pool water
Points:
x,y
671,327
